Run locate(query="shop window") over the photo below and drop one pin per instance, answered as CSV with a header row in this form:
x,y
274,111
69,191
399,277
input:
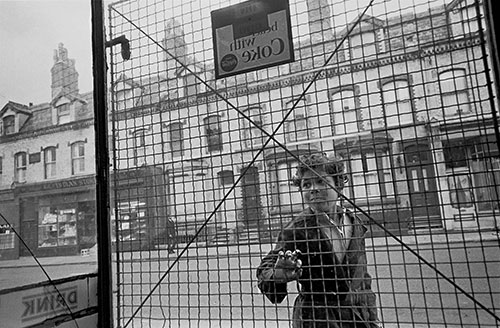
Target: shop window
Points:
x,y
460,190
454,94
6,237
57,226
63,114
397,103
213,133
175,139
371,175
49,161
252,135
485,166
345,113
78,157
297,127
455,155
8,123
20,167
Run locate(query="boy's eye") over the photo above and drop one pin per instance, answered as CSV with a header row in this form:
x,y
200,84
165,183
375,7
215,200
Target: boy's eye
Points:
x,y
306,185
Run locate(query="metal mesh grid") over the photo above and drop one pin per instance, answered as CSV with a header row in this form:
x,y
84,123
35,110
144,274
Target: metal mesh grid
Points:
x,y
400,90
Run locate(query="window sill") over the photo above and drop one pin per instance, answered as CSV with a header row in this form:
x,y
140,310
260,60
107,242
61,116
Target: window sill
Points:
x,y
377,201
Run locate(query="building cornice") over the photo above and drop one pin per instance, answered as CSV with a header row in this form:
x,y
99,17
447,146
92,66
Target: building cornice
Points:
x,y
53,129
303,77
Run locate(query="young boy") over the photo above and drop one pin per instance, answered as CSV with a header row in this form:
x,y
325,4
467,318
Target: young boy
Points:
x,y
324,250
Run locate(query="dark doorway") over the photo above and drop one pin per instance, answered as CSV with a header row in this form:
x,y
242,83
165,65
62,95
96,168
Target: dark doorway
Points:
x,y
422,187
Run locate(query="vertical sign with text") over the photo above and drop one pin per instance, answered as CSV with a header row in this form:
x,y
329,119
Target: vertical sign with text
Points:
x,y
251,35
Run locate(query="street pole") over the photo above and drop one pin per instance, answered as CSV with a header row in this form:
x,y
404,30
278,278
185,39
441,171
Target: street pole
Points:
x,y
104,290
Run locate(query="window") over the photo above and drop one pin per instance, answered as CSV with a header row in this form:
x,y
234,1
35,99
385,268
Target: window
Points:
x,y
20,167
78,157
1,169
175,138
213,133
469,19
289,195
371,175
57,225
454,95
139,138
49,160
297,128
226,177
363,45
397,103
63,114
345,114
252,135
9,125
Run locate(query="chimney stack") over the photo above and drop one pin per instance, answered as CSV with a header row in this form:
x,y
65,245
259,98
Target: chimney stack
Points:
x,y
64,74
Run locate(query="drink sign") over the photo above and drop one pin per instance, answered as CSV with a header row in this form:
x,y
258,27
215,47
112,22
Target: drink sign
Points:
x,y
251,35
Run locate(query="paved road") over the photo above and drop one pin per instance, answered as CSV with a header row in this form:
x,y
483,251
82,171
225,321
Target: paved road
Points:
x,y
220,290
216,287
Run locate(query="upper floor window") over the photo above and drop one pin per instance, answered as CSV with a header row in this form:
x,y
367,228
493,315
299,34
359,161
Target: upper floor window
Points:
x,y
297,125
78,157
20,167
453,89
213,133
9,124
363,45
175,138
345,114
397,102
470,19
49,161
252,135
63,114
139,138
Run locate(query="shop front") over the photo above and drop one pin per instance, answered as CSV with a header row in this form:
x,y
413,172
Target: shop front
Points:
x,y
9,243
57,217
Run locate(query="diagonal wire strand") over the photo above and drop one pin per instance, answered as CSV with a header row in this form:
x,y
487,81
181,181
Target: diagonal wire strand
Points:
x,y
60,296
271,137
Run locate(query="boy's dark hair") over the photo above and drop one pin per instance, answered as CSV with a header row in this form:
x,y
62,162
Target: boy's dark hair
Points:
x,y
331,165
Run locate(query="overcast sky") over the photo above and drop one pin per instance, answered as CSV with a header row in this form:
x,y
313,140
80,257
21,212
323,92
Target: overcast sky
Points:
x,y
29,33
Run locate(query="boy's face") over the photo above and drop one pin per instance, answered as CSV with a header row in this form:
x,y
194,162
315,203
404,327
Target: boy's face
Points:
x,y
317,194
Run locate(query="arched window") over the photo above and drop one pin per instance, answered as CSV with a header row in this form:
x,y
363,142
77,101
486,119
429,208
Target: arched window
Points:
x,y
49,162
78,157
213,133
453,89
175,138
297,125
397,103
345,114
252,135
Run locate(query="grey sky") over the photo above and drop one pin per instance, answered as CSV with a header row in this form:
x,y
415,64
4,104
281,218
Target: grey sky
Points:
x,y
29,33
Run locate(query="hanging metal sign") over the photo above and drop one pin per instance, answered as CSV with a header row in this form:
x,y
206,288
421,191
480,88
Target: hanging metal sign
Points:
x,y
251,35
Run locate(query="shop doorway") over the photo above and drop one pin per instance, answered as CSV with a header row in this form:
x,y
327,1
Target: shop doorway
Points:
x,y
422,187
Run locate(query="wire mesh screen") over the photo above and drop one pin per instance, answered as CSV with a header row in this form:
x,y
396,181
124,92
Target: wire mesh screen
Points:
x,y
389,109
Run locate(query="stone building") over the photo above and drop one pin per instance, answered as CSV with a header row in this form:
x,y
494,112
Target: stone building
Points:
x,y
405,100
47,184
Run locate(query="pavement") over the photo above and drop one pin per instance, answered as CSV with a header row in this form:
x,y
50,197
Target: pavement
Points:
x,y
415,241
